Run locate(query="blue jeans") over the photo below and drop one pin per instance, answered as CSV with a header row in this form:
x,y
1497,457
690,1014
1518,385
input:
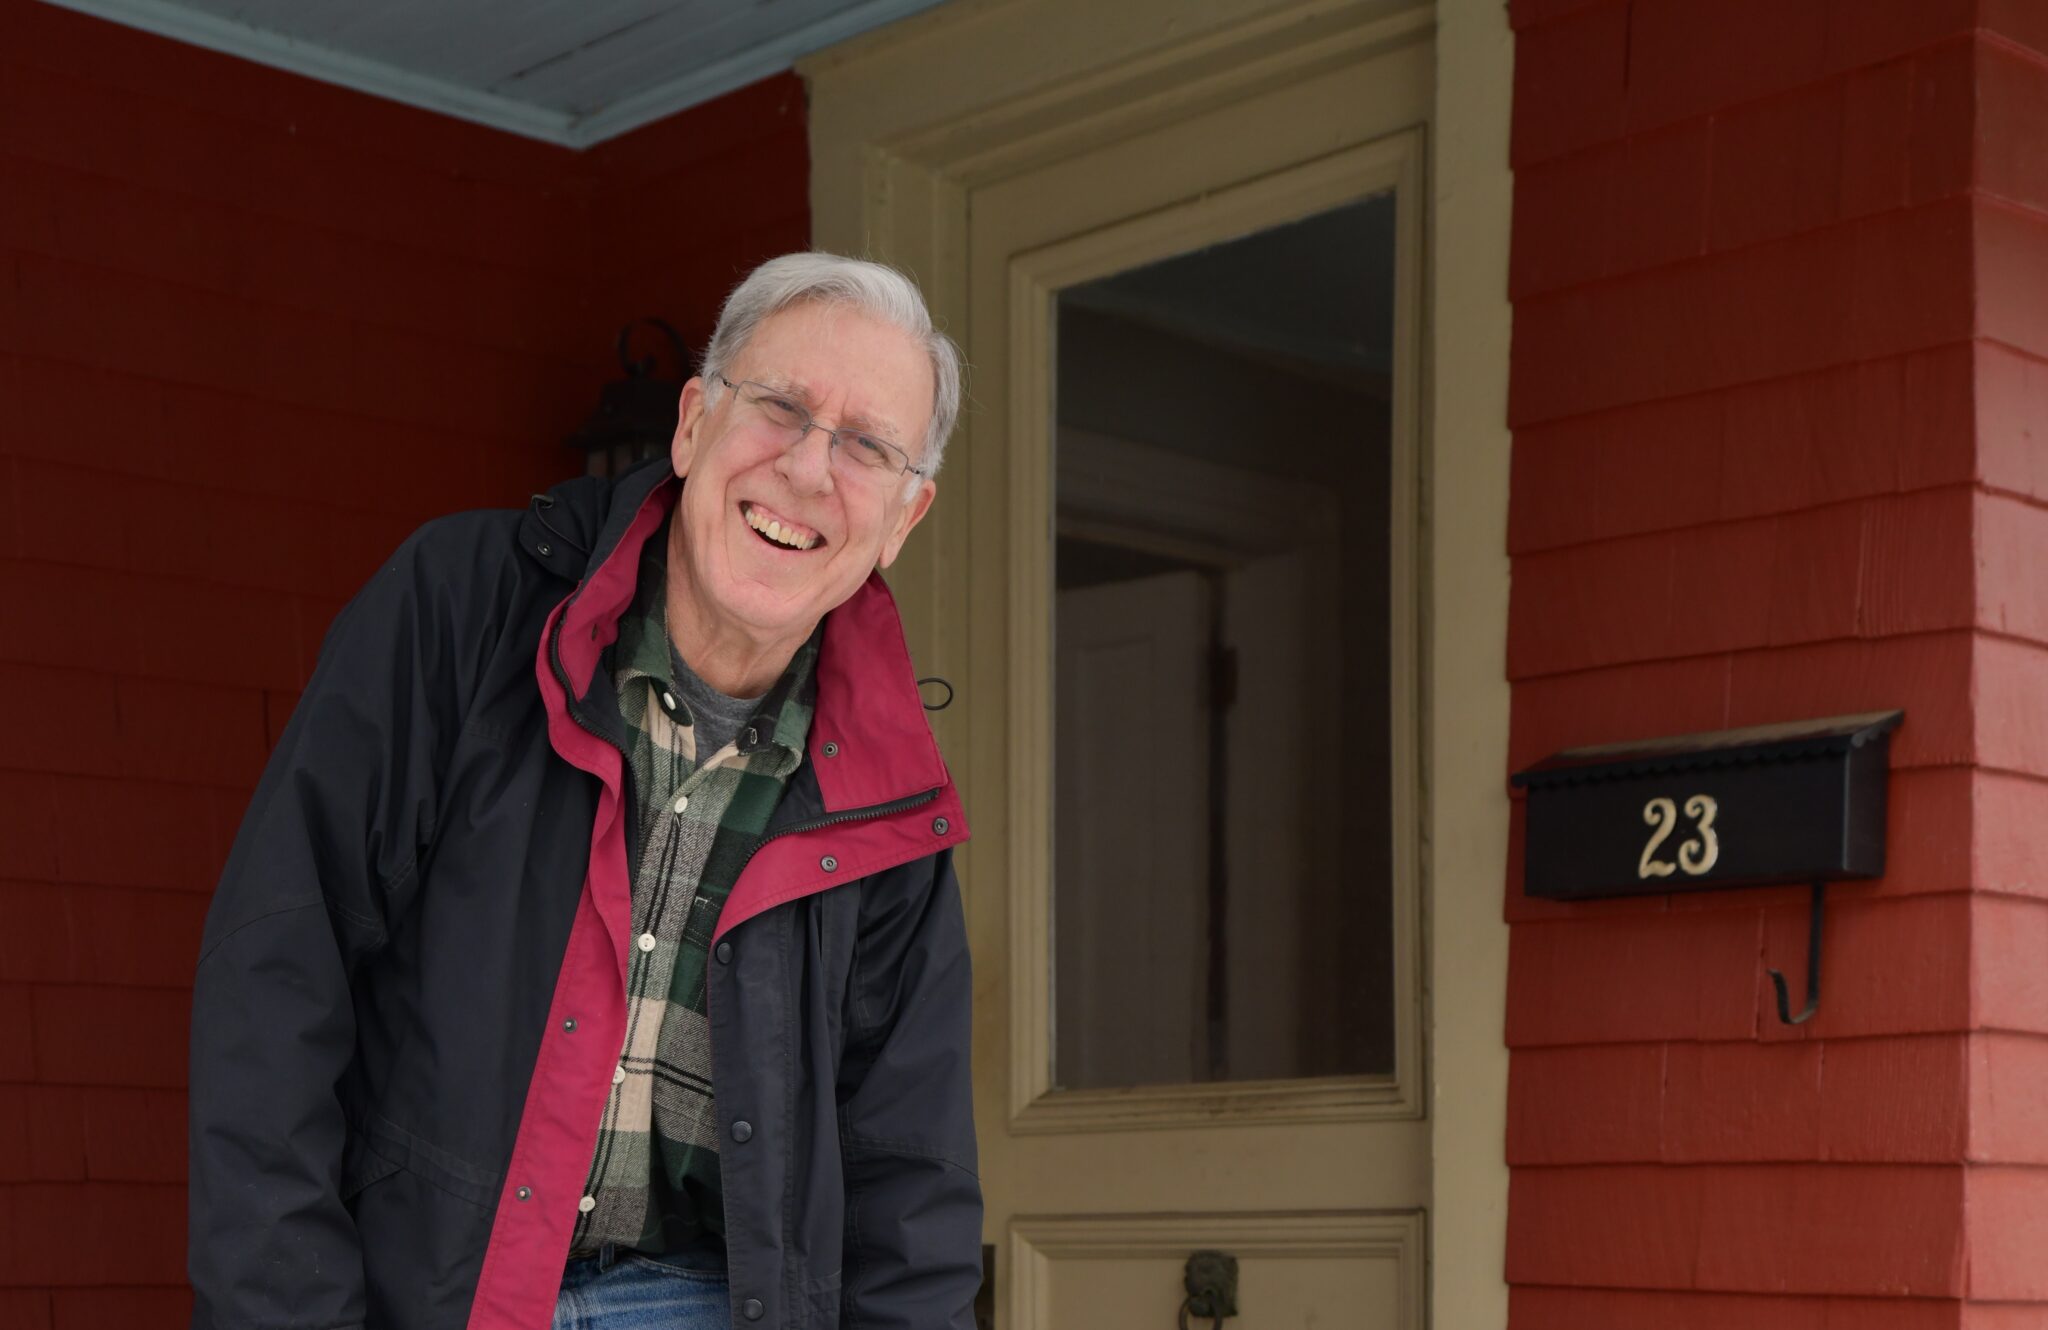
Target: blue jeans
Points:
x,y
628,1291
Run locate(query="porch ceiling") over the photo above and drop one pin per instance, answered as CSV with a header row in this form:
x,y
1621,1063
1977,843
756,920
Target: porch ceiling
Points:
x,y
573,72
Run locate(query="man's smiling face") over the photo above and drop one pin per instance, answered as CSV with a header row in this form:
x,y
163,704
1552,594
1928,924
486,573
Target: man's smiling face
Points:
x,y
747,485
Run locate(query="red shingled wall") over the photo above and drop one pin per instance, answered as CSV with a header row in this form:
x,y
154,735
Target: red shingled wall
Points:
x,y
1780,399
253,329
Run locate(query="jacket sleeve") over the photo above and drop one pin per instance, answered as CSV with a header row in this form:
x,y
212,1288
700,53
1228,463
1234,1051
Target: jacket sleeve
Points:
x,y
323,865
913,1200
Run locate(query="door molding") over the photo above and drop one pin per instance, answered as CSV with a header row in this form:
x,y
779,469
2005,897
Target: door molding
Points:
x,y
1182,507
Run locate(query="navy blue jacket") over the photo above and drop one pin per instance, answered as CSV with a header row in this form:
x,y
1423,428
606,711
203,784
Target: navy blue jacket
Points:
x,y
411,993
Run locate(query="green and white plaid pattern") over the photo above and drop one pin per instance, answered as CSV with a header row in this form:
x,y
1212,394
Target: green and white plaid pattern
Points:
x,y
654,1180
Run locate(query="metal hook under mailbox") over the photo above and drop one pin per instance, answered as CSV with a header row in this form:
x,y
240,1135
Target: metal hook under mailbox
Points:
x,y
1813,930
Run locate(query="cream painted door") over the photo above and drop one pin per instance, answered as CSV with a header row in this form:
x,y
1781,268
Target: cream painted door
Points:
x,y
1098,1193
1102,1182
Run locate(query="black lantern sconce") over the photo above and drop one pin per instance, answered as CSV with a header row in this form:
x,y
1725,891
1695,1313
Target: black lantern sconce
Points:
x,y
636,415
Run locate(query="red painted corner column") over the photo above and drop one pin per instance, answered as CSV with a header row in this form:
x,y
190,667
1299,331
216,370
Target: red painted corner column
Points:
x,y
1780,401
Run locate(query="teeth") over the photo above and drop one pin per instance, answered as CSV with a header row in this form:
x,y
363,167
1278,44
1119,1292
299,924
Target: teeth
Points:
x,y
775,531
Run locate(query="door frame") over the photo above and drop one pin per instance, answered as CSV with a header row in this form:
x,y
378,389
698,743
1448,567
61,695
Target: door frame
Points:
x,y
907,121
1149,498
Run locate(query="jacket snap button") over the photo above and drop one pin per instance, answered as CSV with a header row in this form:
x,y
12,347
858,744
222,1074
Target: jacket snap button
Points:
x,y
939,825
829,864
831,750
724,953
546,550
570,1025
752,1309
743,1131
524,1193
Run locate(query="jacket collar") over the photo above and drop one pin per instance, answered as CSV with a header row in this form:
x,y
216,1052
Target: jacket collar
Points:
x,y
869,742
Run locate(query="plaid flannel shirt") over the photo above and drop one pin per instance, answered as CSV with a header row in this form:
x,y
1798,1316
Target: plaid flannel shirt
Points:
x,y
654,1179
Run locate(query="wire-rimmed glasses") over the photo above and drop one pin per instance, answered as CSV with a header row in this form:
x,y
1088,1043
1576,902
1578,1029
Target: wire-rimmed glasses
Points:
x,y
865,453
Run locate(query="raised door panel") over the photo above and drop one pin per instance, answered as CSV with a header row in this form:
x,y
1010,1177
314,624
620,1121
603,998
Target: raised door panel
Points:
x,y
1354,1271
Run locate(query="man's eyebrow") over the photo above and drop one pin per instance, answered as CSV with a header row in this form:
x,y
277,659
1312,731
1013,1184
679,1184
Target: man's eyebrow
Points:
x,y
868,424
784,387
859,420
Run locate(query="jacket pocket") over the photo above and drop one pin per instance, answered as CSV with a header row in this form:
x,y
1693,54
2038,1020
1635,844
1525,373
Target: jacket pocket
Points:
x,y
821,1303
433,1165
361,1166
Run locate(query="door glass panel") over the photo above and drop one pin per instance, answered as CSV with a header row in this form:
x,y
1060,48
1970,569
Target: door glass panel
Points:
x,y
1222,894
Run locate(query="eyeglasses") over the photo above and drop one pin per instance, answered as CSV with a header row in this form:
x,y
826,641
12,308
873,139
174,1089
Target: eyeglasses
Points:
x,y
863,453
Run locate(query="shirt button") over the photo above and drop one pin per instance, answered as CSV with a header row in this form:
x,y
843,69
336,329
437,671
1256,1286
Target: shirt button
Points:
x,y
587,1204
752,1309
668,700
724,953
647,942
619,1074
682,802
743,1131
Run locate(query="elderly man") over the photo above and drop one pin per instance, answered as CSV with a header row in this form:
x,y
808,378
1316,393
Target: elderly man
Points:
x,y
590,954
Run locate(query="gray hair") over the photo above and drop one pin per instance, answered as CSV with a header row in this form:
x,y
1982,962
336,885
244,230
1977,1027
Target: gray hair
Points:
x,y
879,291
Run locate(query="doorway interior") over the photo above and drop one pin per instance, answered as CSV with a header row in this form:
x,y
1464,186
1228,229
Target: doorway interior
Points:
x,y
1222,876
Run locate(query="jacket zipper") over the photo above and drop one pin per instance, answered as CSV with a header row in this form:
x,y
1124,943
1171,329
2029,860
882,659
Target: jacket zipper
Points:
x,y
562,675
569,706
569,694
867,814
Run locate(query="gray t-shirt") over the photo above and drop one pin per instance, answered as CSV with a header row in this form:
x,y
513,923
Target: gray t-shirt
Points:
x,y
714,717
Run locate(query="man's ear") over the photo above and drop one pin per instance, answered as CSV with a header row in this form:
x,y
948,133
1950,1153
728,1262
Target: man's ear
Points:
x,y
690,407
912,513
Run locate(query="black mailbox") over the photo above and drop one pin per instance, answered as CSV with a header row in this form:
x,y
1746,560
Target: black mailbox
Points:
x,y
1737,808
1803,802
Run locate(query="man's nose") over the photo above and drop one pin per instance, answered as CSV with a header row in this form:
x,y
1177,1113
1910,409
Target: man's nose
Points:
x,y
807,463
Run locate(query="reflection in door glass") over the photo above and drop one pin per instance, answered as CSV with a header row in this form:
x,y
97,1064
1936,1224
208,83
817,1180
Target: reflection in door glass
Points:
x,y
1222,893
